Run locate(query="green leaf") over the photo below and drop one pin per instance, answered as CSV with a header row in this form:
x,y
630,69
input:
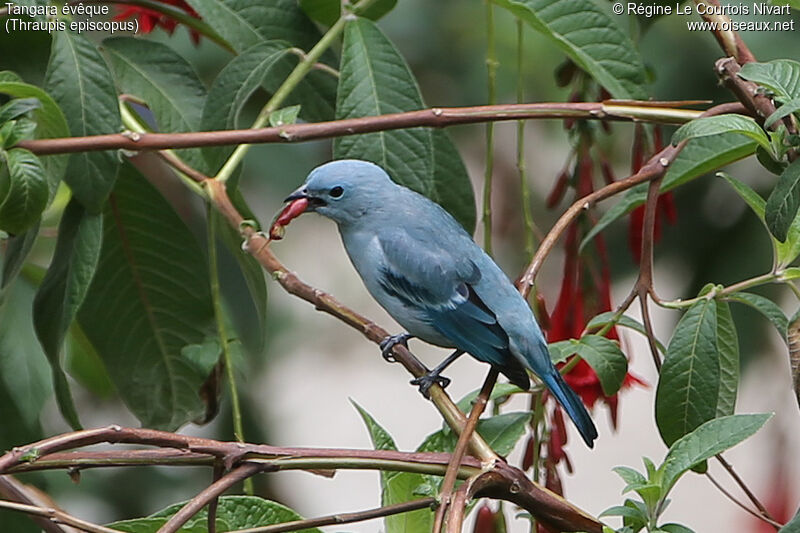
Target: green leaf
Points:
x,y
560,350
503,431
624,320
766,307
231,89
327,12
233,513
284,116
23,190
606,359
165,81
674,528
24,372
20,130
149,298
629,476
375,80
50,124
728,350
792,106
785,252
700,156
591,38
18,107
16,250
397,487
80,82
688,388
244,23
783,202
624,510
706,441
781,76
62,291
793,525
721,124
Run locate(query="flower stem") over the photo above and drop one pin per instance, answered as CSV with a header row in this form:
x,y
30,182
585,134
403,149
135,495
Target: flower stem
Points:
x,y
219,317
525,191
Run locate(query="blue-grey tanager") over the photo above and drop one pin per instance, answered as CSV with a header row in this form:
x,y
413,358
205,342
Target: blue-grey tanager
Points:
x,y
428,273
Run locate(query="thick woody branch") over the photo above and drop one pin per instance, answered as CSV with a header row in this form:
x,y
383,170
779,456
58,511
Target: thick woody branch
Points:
x,y
661,112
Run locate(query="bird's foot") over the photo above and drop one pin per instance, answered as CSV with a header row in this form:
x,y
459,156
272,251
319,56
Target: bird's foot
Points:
x,y
429,380
390,342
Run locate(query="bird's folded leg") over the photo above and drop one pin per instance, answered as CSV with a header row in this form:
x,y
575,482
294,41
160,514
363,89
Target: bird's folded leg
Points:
x,y
391,341
428,380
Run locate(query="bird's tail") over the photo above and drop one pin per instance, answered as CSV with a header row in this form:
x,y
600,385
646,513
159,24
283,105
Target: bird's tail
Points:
x,y
572,404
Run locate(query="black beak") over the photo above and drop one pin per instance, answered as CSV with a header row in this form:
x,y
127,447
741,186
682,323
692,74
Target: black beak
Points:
x,y
296,195
313,201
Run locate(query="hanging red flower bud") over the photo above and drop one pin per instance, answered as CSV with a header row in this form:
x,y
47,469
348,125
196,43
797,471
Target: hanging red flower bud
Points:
x,y
527,458
484,522
149,19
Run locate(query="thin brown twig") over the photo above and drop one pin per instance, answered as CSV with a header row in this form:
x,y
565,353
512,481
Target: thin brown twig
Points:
x,y
240,473
343,518
437,117
730,41
16,491
56,516
449,482
733,498
739,481
214,504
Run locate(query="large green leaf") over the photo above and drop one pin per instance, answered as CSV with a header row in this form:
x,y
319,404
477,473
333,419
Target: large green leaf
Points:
x,y
783,202
700,156
591,38
791,106
706,441
233,513
50,123
721,124
781,76
149,298
231,89
315,93
728,350
785,252
80,82
375,80
23,190
625,321
397,487
688,387
24,373
63,289
165,81
244,23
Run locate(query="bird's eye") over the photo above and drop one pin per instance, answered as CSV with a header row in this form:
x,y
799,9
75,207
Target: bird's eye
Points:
x,y
336,192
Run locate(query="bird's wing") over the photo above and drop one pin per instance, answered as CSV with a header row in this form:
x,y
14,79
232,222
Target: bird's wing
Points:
x,y
436,282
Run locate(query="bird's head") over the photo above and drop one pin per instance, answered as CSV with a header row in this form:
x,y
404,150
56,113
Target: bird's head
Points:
x,y
344,190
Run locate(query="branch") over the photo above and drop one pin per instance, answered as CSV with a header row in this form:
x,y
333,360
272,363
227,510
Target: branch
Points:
x,y
343,518
208,495
53,515
16,491
661,112
450,475
730,41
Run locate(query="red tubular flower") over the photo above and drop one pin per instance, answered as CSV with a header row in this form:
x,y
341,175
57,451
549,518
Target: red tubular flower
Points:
x,y
585,293
150,19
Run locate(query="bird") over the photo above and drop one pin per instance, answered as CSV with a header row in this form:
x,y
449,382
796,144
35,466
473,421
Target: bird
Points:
x,y
426,271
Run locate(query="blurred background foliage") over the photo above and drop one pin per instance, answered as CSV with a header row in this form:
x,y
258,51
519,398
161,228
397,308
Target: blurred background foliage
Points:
x,y
444,43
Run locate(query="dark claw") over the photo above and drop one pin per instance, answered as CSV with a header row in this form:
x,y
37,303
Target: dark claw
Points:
x,y
427,381
390,342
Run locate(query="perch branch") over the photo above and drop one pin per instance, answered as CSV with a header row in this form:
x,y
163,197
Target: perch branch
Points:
x,y
55,516
437,117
